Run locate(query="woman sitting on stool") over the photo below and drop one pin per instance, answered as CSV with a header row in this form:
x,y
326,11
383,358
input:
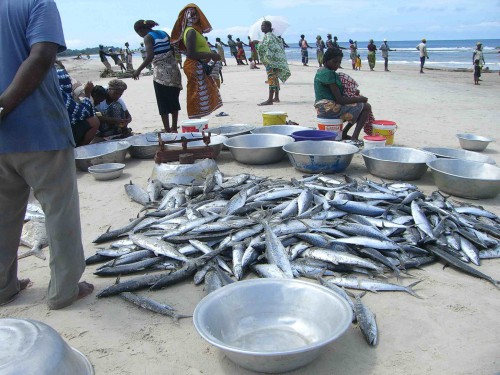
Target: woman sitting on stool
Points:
x,y
330,100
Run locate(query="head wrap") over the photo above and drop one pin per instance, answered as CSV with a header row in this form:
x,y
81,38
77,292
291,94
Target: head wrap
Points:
x,y
117,84
424,40
184,20
350,41
479,44
318,37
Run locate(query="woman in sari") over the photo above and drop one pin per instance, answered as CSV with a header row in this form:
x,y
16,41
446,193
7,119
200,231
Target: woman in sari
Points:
x,y
202,93
332,100
167,79
272,55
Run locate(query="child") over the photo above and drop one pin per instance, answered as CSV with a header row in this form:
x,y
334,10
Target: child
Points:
x,y
477,72
358,63
253,64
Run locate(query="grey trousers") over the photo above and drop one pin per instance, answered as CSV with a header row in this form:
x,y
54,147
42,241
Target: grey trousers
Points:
x,y
52,176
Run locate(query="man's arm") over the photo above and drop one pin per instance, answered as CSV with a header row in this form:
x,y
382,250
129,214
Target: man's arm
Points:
x,y
29,75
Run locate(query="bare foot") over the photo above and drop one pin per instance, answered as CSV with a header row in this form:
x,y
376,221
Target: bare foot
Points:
x,y
276,100
84,289
267,102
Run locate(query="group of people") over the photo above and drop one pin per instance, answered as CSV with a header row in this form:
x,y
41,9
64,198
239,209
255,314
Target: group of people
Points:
x,y
123,55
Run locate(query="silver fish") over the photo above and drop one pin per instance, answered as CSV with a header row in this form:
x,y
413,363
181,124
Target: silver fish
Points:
x,y
137,194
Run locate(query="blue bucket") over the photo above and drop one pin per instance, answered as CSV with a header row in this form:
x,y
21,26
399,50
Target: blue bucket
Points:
x,y
314,135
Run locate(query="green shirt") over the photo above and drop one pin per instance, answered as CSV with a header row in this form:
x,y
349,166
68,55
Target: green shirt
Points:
x,y
201,44
323,79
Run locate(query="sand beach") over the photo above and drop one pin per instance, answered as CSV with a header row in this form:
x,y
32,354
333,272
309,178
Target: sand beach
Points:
x,y
453,329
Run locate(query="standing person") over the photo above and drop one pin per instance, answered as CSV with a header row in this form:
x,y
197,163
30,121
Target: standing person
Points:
x,y
330,101
329,41
202,93
209,44
478,55
422,48
104,60
241,52
320,50
283,43
233,48
272,55
477,72
36,150
358,62
116,58
303,50
353,48
128,57
384,47
167,80
335,44
253,50
216,73
372,48
220,50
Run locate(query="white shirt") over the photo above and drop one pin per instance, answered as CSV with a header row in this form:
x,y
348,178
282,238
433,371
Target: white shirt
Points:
x,y
423,49
103,106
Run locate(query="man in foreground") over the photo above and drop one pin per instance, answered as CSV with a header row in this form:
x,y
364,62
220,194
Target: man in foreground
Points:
x,y
36,150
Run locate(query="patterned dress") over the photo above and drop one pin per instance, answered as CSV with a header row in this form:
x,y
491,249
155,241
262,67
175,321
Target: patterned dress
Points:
x,y
272,55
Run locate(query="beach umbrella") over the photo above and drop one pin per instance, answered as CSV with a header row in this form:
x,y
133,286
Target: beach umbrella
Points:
x,y
280,24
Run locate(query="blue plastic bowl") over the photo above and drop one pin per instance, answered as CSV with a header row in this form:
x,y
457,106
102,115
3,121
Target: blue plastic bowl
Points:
x,y
314,135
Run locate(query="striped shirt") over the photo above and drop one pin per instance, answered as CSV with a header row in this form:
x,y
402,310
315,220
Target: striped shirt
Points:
x,y
161,41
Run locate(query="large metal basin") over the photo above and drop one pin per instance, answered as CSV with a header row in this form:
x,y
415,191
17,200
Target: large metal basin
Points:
x,y
144,146
473,142
279,129
231,130
258,148
271,325
100,153
466,179
320,156
32,347
216,142
453,153
397,163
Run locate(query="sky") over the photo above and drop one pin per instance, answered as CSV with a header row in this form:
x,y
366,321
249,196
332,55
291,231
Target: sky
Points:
x,y
88,23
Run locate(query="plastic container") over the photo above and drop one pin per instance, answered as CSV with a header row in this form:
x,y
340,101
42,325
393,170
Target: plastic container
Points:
x,y
194,126
331,124
372,141
314,135
386,129
274,118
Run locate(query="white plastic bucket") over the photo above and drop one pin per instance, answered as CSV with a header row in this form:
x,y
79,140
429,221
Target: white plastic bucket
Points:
x,y
194,126
331,124
274,118
372,141
386,129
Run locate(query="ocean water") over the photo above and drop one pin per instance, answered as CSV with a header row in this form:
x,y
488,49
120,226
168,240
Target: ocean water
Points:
x,y
451,54
448,54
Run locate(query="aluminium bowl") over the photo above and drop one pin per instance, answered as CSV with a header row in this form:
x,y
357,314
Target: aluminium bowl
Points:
x,y
32,347
100,153
272,325
453,153
466,179
473,142
144,146
279,129
397,163
258,148
107,171
320,156
216,142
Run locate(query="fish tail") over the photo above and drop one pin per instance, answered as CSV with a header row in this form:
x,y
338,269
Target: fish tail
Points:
x,y
411,291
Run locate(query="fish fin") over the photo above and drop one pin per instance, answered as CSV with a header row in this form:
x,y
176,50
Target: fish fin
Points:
x,y
117,281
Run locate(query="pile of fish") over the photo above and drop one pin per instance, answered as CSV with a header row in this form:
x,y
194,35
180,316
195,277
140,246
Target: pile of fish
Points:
x,y
346,234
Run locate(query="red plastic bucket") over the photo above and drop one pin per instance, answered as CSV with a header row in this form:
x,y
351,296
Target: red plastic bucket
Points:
x,y
194,126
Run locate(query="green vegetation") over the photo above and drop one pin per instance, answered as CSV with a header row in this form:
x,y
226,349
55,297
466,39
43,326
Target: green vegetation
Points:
x,y
86,51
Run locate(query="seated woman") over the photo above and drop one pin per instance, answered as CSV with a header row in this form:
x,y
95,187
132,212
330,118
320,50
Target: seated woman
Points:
x,y
84,122
331,101
114,117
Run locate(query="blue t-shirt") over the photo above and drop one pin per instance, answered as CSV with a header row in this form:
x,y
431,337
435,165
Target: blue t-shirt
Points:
x,y
40,122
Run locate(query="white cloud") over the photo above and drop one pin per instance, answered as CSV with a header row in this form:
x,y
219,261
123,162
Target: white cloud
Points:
x,y
237,31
